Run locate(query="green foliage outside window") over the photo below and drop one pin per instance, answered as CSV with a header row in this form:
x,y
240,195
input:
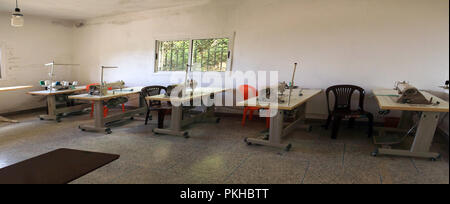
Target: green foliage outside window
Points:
x,y
207,55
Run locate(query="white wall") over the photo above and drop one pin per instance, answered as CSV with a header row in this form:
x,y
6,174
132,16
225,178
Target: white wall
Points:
x,y
370,43
26,51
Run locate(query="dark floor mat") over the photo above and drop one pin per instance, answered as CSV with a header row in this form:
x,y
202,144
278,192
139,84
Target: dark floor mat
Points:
x,y
58,167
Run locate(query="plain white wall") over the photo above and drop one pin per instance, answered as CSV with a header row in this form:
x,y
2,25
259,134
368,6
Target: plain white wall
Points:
x,y
370,43
26,50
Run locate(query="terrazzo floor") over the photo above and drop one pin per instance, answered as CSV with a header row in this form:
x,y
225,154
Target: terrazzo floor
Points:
x,y
216,154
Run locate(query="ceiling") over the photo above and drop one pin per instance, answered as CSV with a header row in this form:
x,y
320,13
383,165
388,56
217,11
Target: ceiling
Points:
x,y
86,9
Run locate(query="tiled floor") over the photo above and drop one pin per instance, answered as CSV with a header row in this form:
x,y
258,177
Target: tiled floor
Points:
x,y
216,154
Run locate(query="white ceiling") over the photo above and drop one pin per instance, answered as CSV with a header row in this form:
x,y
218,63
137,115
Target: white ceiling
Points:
x,y
86,9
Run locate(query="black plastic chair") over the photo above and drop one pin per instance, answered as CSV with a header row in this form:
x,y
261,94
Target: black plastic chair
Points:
x,y
342,108
158,106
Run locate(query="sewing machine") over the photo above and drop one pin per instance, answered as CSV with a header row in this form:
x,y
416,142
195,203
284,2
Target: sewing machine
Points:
x,y
411,95
282,97
191,84
102,90
57,86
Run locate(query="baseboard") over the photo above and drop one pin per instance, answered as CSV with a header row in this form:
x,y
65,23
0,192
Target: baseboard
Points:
x,y
24,111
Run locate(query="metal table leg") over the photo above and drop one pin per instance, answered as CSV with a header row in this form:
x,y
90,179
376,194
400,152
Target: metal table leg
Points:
x,y
6,120
178,122
51,109
175,124
99,120
423,139
54,112
278,130
276,133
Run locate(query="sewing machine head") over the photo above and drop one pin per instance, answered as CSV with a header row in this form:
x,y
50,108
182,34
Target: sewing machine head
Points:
x,y
101,90
282,88
410,95
190,84
58,85
115,85
273,95
170,89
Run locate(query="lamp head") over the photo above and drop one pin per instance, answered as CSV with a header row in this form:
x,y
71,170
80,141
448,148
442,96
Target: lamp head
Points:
x,y
17,19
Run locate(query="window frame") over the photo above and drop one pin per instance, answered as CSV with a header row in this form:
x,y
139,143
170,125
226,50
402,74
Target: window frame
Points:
x,y
191,40
2,62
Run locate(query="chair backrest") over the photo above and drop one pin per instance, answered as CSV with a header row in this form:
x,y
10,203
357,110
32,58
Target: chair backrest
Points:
x,y
343,97
152,91
248,91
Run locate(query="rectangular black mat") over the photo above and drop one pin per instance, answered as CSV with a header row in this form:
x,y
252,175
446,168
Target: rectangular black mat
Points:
x,y
58,167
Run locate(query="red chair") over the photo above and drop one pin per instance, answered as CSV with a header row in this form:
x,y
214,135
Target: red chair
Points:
x,y
105,109
250,92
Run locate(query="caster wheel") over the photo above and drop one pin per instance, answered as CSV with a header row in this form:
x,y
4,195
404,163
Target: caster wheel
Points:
x,y
155,133
436,158
58,121
132,118
108,132
288,148
375,154
218,120
41,118
186,135
247,142
83,130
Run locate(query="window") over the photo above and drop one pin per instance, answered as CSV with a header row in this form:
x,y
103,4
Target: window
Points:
x,y
202,55
173,55
2,66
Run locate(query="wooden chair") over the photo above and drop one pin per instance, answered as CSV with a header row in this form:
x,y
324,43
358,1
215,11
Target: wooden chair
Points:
x,y
158,106
342,108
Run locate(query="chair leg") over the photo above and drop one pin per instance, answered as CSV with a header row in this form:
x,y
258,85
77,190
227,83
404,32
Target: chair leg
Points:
x,y
147,117
245,117
336,126
351,123
161,116
329,120
105,112
371,121
250,117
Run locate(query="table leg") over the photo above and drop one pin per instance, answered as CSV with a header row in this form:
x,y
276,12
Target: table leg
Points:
x,y
99,120
276,133
51,109
175,124
54,112
423,139
6,120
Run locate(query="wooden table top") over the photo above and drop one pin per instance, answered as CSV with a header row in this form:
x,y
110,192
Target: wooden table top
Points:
x,y
49,93
198,93
296,100
111,94
387,100
14,88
